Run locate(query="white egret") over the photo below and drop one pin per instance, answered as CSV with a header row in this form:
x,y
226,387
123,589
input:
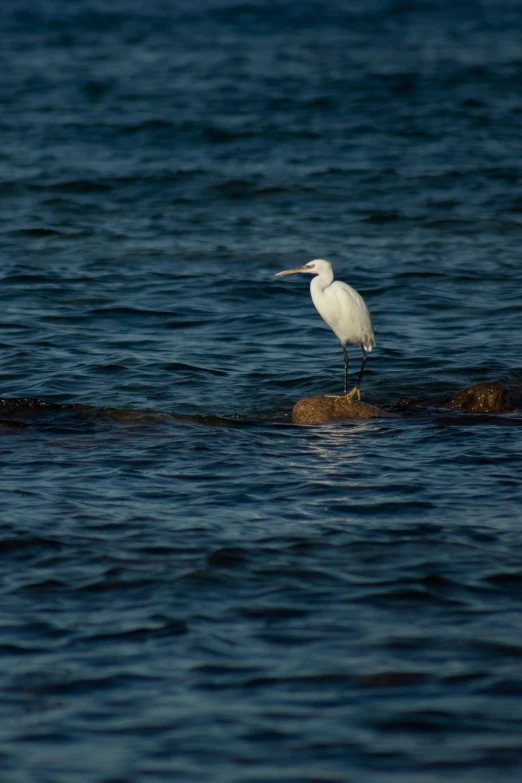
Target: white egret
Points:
x,y
343,309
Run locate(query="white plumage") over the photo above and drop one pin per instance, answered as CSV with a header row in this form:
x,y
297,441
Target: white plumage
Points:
x,y
343,309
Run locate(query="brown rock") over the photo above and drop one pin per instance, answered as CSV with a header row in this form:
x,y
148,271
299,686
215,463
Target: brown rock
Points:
x,y
319,410
488,397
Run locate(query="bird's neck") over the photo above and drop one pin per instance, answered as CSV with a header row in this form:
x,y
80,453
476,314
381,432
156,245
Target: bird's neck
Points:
x,y
320,282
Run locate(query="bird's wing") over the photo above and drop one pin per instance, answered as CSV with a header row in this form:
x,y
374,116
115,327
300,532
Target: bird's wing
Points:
x,y
353,321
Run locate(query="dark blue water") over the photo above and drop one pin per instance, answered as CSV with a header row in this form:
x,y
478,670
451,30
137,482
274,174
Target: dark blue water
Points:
x,y
239,599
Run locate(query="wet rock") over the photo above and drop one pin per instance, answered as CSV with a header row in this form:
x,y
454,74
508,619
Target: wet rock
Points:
x,y
319,410
405,403
488,397
132,416
27,404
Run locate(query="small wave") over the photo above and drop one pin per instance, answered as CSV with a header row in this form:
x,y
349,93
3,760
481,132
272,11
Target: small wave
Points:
x,y
147,125
42,231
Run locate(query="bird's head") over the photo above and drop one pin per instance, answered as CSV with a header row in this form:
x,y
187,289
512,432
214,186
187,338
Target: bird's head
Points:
x,y
316,267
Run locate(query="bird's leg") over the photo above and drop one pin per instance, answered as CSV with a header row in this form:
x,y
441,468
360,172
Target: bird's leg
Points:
x,y
357,388
345,369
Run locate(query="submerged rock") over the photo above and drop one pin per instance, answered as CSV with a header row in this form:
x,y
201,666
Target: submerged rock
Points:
x,y
405,403
482,398
488,397
485,397
319,410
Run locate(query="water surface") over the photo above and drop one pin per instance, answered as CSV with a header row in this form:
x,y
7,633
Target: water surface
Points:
x,y
257,601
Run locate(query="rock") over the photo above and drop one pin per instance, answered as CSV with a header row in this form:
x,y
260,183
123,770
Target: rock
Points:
x,y
488,397
319,410
405,403
28,404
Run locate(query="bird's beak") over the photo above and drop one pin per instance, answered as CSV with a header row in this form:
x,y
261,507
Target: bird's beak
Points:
x,y
304,268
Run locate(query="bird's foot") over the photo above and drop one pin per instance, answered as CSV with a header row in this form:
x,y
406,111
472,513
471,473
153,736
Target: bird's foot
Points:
x,y
348,396
354,391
